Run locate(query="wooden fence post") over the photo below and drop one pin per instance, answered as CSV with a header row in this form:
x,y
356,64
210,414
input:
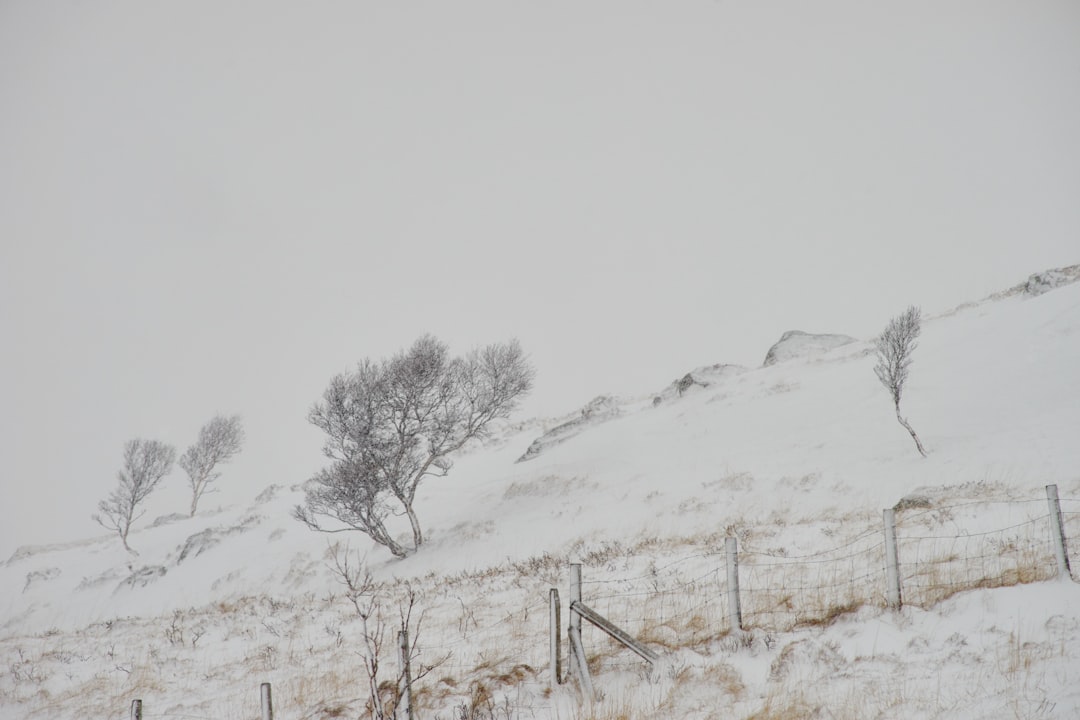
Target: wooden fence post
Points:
x,y
136,709
266,701
734,602
555,644
580,666
1058,531
406,698
575,596
892,561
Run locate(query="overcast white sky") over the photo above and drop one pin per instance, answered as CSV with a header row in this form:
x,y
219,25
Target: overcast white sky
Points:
x,y
215,206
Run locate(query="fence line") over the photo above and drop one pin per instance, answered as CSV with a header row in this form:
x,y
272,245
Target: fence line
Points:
x,y
489,644
696,600
938,567
778,591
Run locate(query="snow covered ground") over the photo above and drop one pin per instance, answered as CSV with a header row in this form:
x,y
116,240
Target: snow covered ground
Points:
x,y
796,460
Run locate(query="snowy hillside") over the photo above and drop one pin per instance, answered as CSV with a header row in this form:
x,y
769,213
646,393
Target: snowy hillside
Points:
x,y
796,460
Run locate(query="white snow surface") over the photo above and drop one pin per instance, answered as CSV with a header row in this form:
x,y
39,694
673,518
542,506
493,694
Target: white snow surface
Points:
x,y
794,459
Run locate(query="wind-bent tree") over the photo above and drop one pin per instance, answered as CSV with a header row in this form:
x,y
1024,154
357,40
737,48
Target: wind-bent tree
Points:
x,y
219,441
894,346
393,423
146,462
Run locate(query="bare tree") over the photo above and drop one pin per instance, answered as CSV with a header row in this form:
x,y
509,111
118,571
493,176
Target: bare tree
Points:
x,y
146,462
219,441
894,346
393,423
369,598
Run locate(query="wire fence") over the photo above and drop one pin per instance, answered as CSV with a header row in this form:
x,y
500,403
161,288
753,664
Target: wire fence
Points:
x,y
938,566
780,592
480,648
671,605
941,551
490,644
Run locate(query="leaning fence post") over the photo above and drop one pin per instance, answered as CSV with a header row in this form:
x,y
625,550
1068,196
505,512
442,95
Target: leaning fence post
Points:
x,y
580,667
406,674
575,596
267,702
582,664
136,709
892,561
555,644
1058,528
734,604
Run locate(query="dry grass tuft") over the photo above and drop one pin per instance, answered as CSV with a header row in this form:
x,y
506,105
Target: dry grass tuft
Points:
x,y
831,615
517,674
725,677
786,709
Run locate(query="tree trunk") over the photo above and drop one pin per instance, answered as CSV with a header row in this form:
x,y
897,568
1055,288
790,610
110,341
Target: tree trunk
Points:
x,y
911,430
417,533
378,532
371,668
197,488
395,549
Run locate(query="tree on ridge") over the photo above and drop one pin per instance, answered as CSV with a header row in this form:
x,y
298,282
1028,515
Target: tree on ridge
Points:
x,y
894,347
146,462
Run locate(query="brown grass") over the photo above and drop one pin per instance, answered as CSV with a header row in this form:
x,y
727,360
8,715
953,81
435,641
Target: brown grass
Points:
x,y
726,677
785,709
831,615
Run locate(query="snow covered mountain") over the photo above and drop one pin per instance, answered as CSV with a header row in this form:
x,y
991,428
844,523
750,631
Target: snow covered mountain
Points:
x,y
795,459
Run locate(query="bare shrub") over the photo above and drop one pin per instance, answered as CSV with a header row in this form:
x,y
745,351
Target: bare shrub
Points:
x,y
369,599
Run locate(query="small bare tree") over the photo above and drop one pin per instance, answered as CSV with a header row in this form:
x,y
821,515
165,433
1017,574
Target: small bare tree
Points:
x,y
894,346
219,441
369,599
391,424
146,462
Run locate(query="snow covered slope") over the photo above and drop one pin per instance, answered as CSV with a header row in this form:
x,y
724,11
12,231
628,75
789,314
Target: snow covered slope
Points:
x,y
792,459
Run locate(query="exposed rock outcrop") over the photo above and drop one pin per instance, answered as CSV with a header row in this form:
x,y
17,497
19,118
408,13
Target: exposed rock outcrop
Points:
x,y
599,410
36,576
200,542
797,344
702,377
142,577
1040,283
